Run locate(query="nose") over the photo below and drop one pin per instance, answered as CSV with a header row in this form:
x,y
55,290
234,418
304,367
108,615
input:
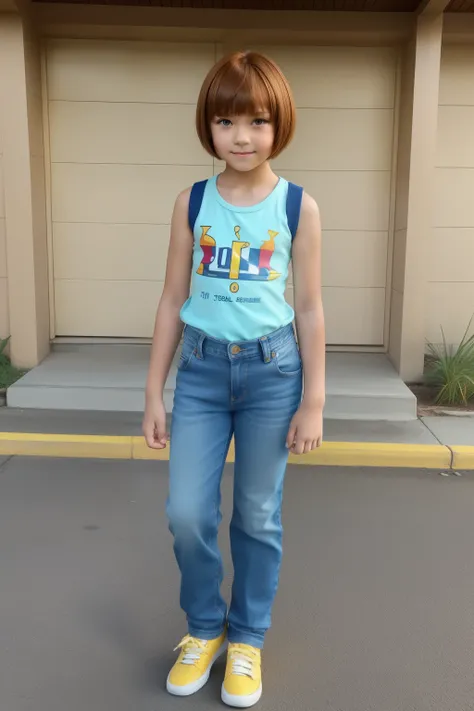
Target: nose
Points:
x,y
241,136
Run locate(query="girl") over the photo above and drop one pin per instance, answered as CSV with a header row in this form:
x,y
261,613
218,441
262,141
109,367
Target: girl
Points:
x,y
240,371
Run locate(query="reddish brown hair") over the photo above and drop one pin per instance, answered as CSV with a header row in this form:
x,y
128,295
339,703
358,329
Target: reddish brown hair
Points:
x,y
246,83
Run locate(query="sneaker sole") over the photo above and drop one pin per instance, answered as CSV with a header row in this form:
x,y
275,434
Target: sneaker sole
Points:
x,y
241,702
190,689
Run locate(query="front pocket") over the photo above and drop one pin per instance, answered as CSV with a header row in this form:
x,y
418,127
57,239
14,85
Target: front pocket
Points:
x,y
287,360
187,353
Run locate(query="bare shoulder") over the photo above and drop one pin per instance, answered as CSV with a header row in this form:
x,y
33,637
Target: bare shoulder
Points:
x,y
309,227
180,231
182,201
309,207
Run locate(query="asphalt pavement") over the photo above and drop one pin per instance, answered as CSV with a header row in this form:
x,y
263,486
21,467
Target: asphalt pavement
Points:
x,y
375,610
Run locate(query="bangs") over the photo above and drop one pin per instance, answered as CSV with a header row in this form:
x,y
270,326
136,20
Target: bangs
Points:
x,y
240,89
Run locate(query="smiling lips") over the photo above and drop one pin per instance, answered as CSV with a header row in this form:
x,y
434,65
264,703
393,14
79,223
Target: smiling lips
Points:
x,y
243,153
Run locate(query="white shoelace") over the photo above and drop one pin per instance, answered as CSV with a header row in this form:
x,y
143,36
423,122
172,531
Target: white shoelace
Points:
x,y
243,659
192,649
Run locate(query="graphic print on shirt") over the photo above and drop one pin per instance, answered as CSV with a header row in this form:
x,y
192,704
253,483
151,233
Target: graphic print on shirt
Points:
x,y
239,262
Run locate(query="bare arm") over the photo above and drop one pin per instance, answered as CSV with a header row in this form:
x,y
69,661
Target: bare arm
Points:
x,y
306,430
168,326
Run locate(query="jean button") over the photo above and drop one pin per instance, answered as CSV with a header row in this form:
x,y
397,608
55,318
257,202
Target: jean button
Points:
x,y
235,350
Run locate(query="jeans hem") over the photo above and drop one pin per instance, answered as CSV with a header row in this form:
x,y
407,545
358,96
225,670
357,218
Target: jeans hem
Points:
x,y
249,638
206,635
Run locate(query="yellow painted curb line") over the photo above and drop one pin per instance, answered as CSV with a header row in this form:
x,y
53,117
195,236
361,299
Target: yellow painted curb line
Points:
x,y
69,445
375,454
346,454
463,457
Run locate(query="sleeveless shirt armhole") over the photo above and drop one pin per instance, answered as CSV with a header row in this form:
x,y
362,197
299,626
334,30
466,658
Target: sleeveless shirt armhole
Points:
x,y
293,207
195,202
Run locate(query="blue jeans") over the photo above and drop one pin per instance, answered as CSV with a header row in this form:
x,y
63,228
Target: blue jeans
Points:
x,y
249,390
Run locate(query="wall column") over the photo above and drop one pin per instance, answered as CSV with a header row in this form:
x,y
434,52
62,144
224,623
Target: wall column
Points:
x,y
24,193
414,202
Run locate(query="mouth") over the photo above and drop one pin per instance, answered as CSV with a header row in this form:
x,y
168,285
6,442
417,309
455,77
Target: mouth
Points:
x,y
243,153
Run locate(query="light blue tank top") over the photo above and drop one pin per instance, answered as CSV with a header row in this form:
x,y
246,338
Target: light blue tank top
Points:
x,y
240,266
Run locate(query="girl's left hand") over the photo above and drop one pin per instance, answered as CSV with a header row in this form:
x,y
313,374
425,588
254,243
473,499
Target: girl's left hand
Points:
x,y
306,430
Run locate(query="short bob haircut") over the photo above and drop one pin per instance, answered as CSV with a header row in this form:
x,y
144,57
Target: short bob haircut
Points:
x,y
246,83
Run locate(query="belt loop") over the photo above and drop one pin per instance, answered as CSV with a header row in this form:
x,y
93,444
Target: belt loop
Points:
x,y
199,347
265,346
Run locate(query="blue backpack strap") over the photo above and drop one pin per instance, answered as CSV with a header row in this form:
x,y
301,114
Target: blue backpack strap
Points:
x,y
195,202
293,207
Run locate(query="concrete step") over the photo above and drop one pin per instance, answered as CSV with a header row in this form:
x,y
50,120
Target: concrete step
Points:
x,y
112,378
366,386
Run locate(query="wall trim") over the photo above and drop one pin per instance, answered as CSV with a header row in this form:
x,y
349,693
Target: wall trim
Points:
x,y
48,192
104,21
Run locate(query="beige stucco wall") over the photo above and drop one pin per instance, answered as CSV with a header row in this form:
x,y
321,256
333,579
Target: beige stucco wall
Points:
x,y
4,320
23,191
415,196
32,48
450,290
407,69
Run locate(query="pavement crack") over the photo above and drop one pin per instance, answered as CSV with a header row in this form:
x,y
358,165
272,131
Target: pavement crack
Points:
x,y
431,432
451,462
7,460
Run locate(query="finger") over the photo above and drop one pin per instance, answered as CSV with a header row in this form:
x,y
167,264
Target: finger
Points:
x,y
308,446
298,447
160,443
160,433
149,432
290,440
152,443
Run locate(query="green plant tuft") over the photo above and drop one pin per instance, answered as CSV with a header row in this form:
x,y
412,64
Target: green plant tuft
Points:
x,y
8,373
451,370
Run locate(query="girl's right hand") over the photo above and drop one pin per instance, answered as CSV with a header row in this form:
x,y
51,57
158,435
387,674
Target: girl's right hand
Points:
x,y
154,425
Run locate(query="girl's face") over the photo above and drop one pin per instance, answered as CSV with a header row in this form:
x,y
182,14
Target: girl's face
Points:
x,y
243,142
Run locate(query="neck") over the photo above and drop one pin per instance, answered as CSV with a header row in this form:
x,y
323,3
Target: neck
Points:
x,y
249,179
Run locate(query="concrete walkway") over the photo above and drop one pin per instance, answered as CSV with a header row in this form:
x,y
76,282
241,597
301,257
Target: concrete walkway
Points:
x,y
112,378
441,442
375,610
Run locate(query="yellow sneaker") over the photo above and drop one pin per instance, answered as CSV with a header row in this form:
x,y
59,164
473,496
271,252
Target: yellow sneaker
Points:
x,y
242,685
193,666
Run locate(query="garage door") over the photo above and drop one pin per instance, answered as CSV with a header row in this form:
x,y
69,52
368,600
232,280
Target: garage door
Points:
x,y
121,118
342,155
122,147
